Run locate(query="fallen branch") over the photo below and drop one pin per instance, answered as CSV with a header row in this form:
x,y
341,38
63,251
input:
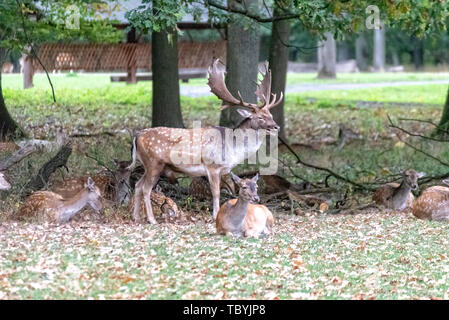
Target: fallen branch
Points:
x,y
41,179
27,148
392,125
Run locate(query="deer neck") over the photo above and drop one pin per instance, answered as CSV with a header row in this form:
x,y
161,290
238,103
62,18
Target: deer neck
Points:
x,y
401,194
69,207
246,125
238,213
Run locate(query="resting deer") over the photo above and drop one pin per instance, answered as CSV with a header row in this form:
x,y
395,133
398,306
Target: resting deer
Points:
x,y
4,185
160,149
50,206
433,203
113,187
398,196
239,217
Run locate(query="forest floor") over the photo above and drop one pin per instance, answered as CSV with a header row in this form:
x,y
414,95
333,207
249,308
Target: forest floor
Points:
x,y
335,254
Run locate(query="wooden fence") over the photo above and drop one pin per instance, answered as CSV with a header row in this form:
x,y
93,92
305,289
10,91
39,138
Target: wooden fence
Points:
x,y
123,57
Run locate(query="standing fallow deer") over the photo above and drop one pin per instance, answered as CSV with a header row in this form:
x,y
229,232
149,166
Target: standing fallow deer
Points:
x,y
433,203
239,217
4,185
398,196
51,207
201,152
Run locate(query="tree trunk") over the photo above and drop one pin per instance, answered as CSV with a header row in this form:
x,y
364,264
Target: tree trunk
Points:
x,y
278,64
8,127
166,101
28,72
361,52
444,122
327,57
242,57
379,49
418,53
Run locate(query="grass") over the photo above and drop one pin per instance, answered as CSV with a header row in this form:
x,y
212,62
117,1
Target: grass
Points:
x,y
374,255
421,94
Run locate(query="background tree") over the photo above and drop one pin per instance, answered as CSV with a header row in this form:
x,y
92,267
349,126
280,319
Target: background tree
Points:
x,y
242,57
24,24
327,57
160,17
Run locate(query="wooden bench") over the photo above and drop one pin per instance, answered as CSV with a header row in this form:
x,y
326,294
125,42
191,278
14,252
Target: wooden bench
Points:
x,y
184,75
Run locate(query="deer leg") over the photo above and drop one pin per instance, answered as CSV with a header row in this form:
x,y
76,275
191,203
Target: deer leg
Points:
x,y
150,182
214,181
138,198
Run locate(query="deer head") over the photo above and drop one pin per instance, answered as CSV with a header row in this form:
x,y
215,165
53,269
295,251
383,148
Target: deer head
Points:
x,y
410,178
94,198
4,185
247,188
257,115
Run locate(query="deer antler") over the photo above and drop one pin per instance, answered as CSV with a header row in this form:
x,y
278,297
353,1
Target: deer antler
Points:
x,y
263,91
218,87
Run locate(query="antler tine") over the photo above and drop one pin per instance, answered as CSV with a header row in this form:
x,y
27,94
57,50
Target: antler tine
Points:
x,y
274,103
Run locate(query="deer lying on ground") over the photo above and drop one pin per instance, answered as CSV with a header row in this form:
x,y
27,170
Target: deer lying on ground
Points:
x,y
4,185
163,150
433,203
239,217
113,187
398,196
50,206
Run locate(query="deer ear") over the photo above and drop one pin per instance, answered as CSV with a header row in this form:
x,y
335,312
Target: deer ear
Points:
x,y
255,178
421,174
236,178
446,182
244,113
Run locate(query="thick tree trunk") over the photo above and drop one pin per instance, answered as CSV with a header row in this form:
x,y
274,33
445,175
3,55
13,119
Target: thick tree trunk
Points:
x,y
379,49
444,122
8,128
166,102
242,57
278,64
361,52
418,53
28,72
327,57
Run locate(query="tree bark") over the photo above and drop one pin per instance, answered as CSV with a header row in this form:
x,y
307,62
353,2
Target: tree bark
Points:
x,y
28,72
8,127
327,57
242,57
166,101
361,52
379,49
418,53
444,122
278,64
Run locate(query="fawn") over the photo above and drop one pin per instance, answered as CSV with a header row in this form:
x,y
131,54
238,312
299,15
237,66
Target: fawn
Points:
x,y
113,187
398,196
4,185
239,217
50,206
433,203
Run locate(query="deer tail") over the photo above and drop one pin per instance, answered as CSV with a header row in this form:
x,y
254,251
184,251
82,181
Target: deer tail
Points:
x,y
133,154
